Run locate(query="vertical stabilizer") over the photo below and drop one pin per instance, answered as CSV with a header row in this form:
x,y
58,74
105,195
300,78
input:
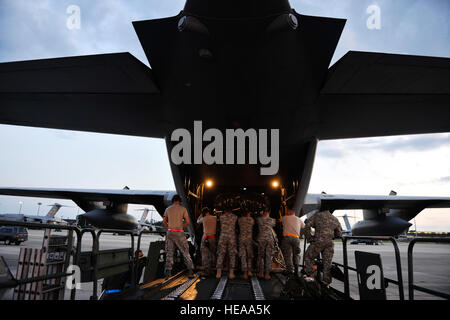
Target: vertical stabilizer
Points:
x,y
53,210
347,223
144,215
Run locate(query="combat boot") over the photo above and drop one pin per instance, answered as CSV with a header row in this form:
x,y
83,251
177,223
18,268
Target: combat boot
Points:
x,y
231,275
219,273
168,274
267,276
245,275
261,274
190,273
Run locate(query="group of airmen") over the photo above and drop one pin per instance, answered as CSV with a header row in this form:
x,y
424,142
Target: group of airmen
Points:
x,y
243,248
213,252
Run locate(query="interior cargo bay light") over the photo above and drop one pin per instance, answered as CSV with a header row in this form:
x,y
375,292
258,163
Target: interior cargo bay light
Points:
x,y
209,183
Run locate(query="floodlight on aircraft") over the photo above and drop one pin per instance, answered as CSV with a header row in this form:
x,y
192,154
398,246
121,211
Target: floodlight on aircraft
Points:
x,y
283,22
192,24
209,183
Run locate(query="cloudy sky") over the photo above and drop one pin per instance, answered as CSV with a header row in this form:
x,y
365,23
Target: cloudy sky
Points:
x,y
32,157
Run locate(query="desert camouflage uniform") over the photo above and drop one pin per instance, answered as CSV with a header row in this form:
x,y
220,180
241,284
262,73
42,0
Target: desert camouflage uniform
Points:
x,y
208,249
327,227
208,252
177,239
175,215
265,243
245,240
227,239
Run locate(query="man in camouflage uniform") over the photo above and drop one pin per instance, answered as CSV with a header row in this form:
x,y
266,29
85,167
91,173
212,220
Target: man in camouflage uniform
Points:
x,y
246,223
173,221
265,244
227,242
327,227
208,244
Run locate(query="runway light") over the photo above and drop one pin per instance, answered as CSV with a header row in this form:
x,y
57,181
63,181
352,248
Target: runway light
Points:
x,y
275,184
209,183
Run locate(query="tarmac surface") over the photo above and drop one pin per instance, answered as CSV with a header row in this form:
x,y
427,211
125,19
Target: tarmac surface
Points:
x,y
431,265
431,262
107,241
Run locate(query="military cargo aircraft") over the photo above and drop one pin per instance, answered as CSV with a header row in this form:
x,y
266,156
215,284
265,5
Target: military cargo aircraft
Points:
x,y
142,221
47,219
143,225
234,65
383,215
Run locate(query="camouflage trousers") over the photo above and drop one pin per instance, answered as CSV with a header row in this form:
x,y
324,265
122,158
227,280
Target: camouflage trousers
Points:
x,y
177,239
208,253
290,247
245,252
265,254
226,245
326,248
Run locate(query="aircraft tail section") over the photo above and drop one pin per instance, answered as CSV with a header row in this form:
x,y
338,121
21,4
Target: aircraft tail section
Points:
x,y
53,210
347,223
144,214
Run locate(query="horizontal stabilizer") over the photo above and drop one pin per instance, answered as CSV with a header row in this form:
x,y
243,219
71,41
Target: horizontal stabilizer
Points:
x,y
87,93
376,94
